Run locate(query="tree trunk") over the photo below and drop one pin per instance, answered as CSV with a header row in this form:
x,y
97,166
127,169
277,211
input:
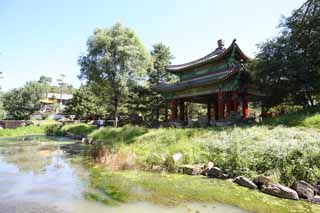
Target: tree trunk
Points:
x,y
116,112
309,98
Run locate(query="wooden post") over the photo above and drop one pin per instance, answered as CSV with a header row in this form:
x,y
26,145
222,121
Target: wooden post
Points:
x,y
245,108
234,102
220,106
174,109
166,110
229,105
181,108
209,111
216,111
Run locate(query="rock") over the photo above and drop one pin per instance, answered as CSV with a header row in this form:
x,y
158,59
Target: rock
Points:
x,y
216,172
210,165
262,181
304,189
317,189
205,171
84,140
280,191
315,200
192,169
243,181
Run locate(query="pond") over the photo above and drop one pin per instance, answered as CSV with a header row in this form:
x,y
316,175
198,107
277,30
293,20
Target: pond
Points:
x,y
37,175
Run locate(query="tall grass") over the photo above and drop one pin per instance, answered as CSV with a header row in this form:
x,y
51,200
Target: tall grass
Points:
x,y
286,154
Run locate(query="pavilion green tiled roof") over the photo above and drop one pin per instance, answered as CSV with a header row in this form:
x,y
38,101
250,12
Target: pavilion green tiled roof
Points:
x,y
217,54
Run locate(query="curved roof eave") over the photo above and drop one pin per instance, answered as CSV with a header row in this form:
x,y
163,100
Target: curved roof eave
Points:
x,y
213,56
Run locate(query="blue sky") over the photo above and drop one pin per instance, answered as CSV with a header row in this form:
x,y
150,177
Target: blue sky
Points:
x,y
47,37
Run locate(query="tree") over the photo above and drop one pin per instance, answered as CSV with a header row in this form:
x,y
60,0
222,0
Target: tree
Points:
x,y
115,56
22,102
161,58
46,82
287,67
86,103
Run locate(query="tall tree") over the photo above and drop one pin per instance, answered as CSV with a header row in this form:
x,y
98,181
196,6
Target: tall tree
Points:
x,y
161,58
46,82
22,102
287,67
86,103
115,56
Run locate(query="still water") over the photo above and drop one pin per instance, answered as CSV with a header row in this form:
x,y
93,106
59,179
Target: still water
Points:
x,y
36,176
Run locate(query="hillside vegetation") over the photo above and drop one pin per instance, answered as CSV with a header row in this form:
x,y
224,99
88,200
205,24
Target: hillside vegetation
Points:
x,y
285,153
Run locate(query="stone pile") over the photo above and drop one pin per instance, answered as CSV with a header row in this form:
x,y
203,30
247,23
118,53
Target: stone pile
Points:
x,y
300,190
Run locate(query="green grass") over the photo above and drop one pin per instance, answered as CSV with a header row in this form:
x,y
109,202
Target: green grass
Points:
x,y
307,118
287,154
173,189
21,131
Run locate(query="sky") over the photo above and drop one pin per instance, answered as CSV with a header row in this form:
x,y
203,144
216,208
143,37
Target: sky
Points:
x,y
40,37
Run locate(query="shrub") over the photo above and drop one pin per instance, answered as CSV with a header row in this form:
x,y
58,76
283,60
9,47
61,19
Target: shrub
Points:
x,y
80,129
54,130
111,136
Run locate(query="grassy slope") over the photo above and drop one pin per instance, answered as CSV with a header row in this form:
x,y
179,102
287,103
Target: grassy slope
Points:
x,y
309,118
285,153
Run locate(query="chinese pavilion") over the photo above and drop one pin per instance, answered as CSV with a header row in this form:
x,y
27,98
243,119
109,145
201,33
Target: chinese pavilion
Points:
x,y
219,80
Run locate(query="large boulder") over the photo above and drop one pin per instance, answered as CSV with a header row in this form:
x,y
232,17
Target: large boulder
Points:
x,y
216,172
304,189
195,169
209,166
262,181
317,189
243,181
315,200
280,191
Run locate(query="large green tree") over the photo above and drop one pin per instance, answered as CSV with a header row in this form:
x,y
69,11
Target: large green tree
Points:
x,y
115,57
287,67
87,103
157,74
20,103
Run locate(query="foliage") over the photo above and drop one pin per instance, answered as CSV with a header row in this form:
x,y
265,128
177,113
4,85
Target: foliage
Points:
x,y
286,154
139,105
86,103
157,74
78,129
115,57
303,118
111,136
22,102
287,67
54,130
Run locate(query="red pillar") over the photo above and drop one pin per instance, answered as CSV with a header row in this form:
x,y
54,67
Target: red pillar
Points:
x,y
216,112
165,110
229,104
234,102
245,108
220,106
209,111
181,108
174,109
